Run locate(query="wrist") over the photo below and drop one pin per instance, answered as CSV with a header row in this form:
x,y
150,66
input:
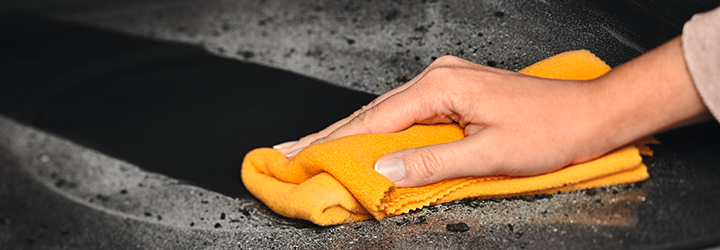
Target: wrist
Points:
x,y
650,94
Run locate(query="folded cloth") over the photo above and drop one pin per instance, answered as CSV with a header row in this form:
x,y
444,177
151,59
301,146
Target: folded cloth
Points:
x,y
334,182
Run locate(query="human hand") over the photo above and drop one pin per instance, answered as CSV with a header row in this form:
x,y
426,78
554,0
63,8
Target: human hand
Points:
x,y
516,124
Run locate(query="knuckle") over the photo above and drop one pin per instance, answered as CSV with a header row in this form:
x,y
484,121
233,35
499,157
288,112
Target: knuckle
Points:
x,y
439,74
438,81
362,110
447,60
364,122
365,108
426,164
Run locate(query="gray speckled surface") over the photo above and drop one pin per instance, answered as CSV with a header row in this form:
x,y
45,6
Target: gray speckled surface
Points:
x,y
57,195
372,45
76,196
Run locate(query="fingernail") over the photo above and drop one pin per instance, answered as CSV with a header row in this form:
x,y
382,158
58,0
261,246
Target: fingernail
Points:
x,y
285,144
393,169
294,152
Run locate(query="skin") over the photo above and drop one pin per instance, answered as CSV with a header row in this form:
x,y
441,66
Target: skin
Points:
x,y
522,125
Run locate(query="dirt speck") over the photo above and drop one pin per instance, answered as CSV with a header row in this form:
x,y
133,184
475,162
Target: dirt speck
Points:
x,y
392,15
528,198
590,192
245,55
459,227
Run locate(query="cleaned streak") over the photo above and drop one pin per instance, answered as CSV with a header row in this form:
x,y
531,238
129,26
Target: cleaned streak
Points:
x,y
625,40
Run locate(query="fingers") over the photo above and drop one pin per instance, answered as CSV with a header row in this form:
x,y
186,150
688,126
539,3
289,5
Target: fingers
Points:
x,y
292,147
427,101
426,165
364,120
444,61
394,114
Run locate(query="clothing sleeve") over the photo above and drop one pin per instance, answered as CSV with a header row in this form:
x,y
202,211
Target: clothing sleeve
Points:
x,y
701,45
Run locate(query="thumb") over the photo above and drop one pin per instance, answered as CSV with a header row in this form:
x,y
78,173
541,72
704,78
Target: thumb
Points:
x,y
430,164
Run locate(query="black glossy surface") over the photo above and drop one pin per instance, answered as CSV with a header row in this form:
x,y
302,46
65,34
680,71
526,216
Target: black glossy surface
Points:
x,y
170,108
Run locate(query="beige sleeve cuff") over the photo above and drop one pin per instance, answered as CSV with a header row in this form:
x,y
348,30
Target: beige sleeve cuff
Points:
x,y
701,45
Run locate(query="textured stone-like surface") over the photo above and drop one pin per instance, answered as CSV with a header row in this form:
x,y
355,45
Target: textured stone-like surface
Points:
x,y
71,194
376,45
56,194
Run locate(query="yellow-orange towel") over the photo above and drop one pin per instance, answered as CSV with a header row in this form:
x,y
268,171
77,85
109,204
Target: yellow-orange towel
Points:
x,y
334,182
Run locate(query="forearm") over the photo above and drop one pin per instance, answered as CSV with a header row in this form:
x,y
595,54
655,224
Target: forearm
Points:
x,y
647,95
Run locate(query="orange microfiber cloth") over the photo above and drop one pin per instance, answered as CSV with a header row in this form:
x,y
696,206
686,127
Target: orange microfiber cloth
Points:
x,y
334,182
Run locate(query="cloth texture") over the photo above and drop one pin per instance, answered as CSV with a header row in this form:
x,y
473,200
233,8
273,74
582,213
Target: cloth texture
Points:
x,y
701,46
334,182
